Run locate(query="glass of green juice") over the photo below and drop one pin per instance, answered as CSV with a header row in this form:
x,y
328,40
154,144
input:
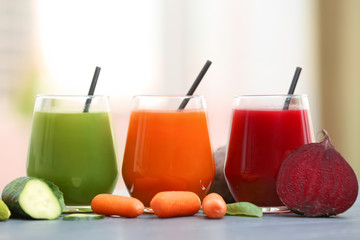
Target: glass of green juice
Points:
x,y
72,144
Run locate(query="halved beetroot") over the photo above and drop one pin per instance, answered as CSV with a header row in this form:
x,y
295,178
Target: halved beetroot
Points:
x,y
315,180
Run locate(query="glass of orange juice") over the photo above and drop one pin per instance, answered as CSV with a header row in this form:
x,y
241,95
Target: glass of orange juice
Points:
x,y
167,148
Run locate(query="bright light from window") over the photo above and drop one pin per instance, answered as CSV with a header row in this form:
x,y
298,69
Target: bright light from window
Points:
x,y
118,36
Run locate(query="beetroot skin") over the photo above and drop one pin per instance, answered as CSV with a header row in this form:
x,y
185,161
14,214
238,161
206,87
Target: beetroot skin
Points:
x,y
316,181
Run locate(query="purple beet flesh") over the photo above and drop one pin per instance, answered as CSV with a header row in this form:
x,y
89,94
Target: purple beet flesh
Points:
x,y
316,181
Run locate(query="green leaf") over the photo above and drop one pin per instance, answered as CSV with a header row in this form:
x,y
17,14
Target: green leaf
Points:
x,y
245,209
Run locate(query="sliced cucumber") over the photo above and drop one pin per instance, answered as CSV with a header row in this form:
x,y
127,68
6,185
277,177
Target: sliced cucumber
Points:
x,y
83,216
4,211
78,210
30,197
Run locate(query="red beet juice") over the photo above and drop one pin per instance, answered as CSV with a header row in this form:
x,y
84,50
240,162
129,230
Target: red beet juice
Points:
x,y
259,142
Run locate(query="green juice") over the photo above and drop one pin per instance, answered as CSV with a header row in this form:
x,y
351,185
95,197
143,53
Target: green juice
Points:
x,y
75,151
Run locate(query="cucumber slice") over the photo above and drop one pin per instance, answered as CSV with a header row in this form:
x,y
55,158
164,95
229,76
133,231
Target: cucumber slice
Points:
x,y
30,197
83,216
78,210
4,211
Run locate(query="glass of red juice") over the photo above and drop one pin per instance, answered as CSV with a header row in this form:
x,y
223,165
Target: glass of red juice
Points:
x,y
265,129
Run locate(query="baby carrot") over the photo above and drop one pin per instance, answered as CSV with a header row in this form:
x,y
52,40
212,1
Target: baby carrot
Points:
x,y
214,206
108,204
175,204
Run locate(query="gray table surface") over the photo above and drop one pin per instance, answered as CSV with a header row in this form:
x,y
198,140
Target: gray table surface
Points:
x,y
271,226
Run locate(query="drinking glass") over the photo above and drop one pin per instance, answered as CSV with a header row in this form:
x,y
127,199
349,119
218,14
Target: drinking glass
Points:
x,y
265,129
72,145
167,147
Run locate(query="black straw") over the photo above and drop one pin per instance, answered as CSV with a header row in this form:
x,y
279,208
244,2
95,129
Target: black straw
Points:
x,y
92,89
195,85
292,87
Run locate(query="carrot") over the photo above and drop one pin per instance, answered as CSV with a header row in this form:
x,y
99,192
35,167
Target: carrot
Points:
x,y
214,206
108,204
175,204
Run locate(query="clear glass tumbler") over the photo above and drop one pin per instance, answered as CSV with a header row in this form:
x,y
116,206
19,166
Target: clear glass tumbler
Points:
x,y
265,129
167,148
73,145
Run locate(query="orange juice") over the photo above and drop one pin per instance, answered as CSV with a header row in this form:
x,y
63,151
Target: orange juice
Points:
x,y
167,150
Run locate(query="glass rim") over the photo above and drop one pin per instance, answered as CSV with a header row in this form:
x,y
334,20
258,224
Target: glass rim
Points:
x,y
270,95
170,96
66,96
